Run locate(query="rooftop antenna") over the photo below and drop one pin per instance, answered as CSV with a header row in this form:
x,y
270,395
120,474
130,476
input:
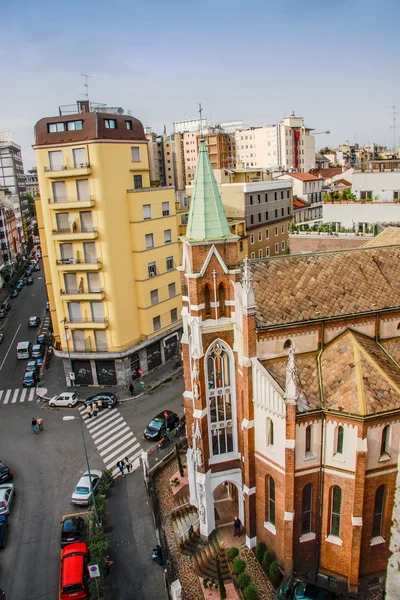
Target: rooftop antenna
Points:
x,y
394,127
201,120
86,84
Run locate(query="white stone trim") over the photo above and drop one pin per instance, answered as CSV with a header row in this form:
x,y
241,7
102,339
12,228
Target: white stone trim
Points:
x,y
307,537
288,516
188,394
362,445
230,303
393,470
270,527
246,424
384,457
249,491
198,306
340,474
377,540
306,471
185,298
221,458
338,457
199,414
290,444
356,521
251,542
272,465
333,539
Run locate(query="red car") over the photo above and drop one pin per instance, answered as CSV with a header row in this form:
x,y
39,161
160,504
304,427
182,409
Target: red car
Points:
x,y
73,572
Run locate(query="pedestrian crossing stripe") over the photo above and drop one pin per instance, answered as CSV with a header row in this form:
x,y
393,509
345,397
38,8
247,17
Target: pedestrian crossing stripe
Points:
x,y
18,395
113,438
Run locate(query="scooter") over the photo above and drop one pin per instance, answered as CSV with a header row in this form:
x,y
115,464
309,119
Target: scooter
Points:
x,y
157,555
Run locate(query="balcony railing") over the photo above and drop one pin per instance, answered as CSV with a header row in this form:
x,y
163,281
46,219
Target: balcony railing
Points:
x,y
80,291
87,320
66,200
84,165
77,261
75,229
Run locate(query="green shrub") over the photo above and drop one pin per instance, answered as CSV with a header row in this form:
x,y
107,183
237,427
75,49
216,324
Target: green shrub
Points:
x,y
267,560
260,551
205,582
274,573
238,566
250,592
178,456
222,590
233,552
243,580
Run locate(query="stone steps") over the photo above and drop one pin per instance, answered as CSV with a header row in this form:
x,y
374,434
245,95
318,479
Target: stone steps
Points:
x,y
204,559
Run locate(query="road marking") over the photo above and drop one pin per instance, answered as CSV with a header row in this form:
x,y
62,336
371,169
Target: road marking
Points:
x,y
115,444
15,396
22,399
1,394
31,394
9,347
96,420
109,426
119,451
134,458
7,396
113,437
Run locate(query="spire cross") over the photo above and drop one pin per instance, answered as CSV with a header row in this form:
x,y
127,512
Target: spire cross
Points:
x,y
201,119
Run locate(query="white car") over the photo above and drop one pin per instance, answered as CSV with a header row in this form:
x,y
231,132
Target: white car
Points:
x,y
81,493
65,399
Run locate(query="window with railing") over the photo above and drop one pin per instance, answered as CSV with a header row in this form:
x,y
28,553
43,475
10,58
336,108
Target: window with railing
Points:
x,y
149,241
154,297
156,323
151,269
165,209
170,263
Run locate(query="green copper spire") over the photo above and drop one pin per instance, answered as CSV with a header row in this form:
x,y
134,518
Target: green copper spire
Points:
x,y
207,219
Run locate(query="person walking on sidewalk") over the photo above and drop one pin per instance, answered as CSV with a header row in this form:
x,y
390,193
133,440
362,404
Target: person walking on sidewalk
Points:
x,y
39,421
121,467
128,464
35,427
88,410
236,527
99,405
94,409
131,389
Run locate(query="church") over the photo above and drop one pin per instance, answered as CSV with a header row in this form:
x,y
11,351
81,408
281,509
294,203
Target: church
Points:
x,y
292,395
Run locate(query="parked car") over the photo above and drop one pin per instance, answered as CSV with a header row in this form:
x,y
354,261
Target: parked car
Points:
x,y
108,400
308,591
73,575
5,473
36,267
6,306
158,426
37,351
14,293
28,272
33,321
29,281
3,531
30,379
20,284
1,338
81,493
72,530
32,366
65,399
7,493
47,305
3,313
41,338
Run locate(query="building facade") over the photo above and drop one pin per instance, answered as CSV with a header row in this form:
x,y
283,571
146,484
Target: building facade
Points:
x,y
307,187
32,182
109,244
292,397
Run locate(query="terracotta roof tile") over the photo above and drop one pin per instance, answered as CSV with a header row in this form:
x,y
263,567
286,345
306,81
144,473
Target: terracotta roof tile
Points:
x,y
304,176
327,173
299,203
389,236
306,287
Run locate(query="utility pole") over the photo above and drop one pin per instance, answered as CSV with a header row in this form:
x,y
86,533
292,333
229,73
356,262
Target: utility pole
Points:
x,y
394,127
201,120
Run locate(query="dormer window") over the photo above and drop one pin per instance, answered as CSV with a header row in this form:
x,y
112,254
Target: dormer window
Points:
x,y
55,127
74,125
128,124
110,123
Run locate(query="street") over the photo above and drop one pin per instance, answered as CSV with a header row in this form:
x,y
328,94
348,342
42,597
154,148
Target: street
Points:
x,y
47,468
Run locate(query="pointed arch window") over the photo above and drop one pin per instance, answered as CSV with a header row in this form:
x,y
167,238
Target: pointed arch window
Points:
x,y
221,298
308,439
270,432
271,501
339,440
336,505
385,440
378,511
306,499
221,423
207,300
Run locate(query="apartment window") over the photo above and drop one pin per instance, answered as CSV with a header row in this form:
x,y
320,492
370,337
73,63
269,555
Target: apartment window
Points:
x,y
281,195
62,221
266,216
267,234
59,193
378,511
282,229
67,254
86,220
276,230
276,195
137,182
70,283
283,246
288,210
110,123
156,323
396,195
97,312
170,263
94,283
260,236
306,499
276,248
74,125
74,312
259,198
89,252
259,217
288,194
171,290
100,337
339,439
135,152
151,269
146,211
252,238
282,212
253,255
267,251
385,440
251,219
336,503
260,253
78,340
366,195
154,297
128,124
167,236
165,209
82,190
174,315
241,246
55,127
271,500
149,241
251,199
56,160
80,157
308,438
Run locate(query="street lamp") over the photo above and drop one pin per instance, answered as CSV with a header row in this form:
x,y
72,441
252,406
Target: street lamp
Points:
x,y
66,338
70,418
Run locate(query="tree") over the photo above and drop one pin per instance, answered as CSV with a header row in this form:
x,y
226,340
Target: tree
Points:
x,y
178,456
260,550
222,590
31,205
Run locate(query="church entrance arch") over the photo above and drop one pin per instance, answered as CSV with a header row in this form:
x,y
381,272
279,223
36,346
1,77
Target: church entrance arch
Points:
x,y
228,501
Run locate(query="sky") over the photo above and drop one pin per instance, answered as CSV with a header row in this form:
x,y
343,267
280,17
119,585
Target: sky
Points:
x,y
334,62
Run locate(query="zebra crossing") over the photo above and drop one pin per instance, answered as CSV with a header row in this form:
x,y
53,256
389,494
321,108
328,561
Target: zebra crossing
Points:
x,y
18,395
113,438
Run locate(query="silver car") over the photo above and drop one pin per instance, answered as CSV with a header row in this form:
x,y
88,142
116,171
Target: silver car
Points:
x,y
7,493
81,493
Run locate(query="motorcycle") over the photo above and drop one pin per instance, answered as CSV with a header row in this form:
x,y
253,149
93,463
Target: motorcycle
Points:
x,y
157,555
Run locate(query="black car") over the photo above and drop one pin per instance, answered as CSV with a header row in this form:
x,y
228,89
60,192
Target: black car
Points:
x,y
14,293
3,530
5,473
29,281
158,426
107,400
41,338
5,306
72,530
30,379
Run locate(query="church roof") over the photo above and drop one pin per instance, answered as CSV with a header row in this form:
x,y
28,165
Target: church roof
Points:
x,y
207,219
356,376
388,237
307,287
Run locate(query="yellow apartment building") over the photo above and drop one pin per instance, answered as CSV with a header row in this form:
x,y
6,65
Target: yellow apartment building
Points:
x,y
110,246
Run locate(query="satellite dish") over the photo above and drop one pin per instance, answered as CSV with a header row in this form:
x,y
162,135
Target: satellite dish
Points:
x,y
129,112
71,219
120,111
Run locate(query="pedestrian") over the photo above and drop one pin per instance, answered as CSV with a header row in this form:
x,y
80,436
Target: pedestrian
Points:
x,y
128,464
131,389
35,428
121,467
236,526
94,409
99,405
39,421
89,410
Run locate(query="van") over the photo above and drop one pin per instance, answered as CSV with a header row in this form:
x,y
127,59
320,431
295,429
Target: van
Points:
x,y
73,572
24,350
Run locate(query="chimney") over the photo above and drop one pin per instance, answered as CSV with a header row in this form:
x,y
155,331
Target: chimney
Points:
x,y
83,106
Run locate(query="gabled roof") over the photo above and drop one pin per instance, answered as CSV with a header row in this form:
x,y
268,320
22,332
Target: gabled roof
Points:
x,y
302,176
387,237
343,182
299,203
306,287
207,219
327,173
355,376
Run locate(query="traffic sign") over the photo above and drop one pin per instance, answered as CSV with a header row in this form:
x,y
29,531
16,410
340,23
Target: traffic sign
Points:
x,y
94,571
72,376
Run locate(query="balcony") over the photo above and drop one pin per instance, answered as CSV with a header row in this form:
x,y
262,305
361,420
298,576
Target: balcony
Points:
x,y
67,204
68,171
87,322
77,295
74,234
78,264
